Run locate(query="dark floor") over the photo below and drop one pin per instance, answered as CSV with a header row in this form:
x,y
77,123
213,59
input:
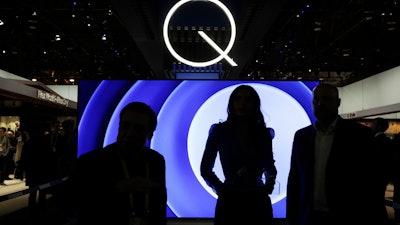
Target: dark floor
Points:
x,y
52,215
16,212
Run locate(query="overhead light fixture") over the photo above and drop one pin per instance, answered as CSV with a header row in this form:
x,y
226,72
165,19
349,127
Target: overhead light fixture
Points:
x,y
58,37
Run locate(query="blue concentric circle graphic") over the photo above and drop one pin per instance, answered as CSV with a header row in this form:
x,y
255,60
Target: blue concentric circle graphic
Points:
x,y
186,109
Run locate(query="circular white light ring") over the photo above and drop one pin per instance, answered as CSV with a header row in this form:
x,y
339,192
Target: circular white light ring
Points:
x,y
182,182
188,62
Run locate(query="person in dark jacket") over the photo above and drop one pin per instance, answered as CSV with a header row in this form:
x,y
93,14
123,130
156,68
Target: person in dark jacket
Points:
x,y
244,145
124,182
379,126
395,143
38,158
334,175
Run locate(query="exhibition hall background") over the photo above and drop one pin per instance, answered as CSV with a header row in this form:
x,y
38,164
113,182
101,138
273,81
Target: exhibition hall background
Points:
x,y
375,95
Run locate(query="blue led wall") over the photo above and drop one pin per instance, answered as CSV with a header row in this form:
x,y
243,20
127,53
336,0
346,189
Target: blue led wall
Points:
x,y
186,109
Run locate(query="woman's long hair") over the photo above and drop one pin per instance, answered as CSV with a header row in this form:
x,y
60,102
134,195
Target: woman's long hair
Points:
x,y
258,116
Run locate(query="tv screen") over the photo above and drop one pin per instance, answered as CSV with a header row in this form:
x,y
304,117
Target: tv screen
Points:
x,y
186,109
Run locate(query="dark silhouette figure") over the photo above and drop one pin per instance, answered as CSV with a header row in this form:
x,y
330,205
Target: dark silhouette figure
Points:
x,y
10,165
385,152
244,145
124,182
68,147
4,156
396,177
37,160
22,137
333,159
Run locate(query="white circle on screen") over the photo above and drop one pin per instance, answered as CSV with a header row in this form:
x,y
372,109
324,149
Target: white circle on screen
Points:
x,y
281,112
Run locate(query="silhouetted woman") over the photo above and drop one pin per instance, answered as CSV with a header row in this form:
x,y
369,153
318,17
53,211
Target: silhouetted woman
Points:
x,y
244,145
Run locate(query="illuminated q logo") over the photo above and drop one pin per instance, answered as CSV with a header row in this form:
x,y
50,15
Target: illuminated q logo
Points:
x,y
222,53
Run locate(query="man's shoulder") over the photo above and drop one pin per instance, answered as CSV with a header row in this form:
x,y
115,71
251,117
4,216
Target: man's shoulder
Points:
x,y
349,124
154,153
305,129
98,153
354,129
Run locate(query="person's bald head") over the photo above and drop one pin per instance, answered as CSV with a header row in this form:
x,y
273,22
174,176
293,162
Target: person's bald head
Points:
x,y
326,102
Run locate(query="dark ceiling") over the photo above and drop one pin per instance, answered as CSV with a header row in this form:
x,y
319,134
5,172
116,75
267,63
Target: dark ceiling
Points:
x,y
336,41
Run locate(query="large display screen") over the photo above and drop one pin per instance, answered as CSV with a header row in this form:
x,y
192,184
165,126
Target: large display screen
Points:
x,y
186,109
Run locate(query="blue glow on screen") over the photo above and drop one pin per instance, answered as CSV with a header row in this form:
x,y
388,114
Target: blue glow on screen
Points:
x,y
192,75
186,109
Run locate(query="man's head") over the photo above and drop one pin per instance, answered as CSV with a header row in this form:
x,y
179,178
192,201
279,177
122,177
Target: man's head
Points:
x,y
68,126
55,126
137,122
326,103
3,131
379,124
10,133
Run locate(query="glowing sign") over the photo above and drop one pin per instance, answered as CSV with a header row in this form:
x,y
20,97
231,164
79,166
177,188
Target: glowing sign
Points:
x,y
222,53
52,98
